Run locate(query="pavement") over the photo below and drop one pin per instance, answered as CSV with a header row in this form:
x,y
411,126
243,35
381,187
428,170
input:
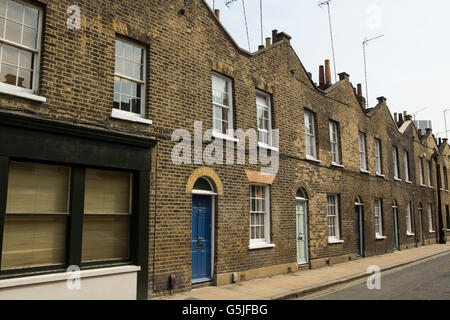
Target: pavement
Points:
x,y
306,282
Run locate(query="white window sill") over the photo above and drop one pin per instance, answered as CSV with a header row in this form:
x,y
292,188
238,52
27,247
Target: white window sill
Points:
x,y
397,179
440,189
431,231
408,234
409,182
334,164
224,136
446,190
380,175
334,241
364,171
430,187
378,237
266,146
254,246
422,185
311,158
17,92
63,276
129,116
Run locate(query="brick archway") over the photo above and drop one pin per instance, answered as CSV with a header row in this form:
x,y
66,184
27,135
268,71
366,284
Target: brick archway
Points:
x,y
208,173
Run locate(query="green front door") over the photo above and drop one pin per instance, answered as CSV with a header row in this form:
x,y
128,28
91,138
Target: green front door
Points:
x,y
302,236
395,223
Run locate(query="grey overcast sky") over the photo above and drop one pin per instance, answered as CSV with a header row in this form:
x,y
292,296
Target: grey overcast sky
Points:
x,y
410,65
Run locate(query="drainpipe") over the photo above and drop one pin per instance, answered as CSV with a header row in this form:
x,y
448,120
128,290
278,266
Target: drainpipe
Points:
x,y
442,239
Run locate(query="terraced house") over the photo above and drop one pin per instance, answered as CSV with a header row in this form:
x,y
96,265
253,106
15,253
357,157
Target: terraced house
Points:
x,y
88,186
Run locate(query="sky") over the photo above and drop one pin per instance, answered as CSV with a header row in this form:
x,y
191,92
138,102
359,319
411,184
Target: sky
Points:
x,y
409,65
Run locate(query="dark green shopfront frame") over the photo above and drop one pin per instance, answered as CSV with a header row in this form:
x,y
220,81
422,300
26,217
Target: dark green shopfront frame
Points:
x,y
27,138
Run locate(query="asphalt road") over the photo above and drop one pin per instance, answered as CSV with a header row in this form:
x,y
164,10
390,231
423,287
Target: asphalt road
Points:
x,y
429,280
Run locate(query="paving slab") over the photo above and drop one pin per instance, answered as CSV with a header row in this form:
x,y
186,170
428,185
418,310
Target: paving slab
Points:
x,y
306,281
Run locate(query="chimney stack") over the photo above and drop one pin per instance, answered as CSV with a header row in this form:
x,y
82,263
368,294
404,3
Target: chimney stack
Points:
x,y
217,13
260,47
327,72
359,90
268,42
405,114
440,141
321,76
274,36
400,118
396,117
420,132
343,76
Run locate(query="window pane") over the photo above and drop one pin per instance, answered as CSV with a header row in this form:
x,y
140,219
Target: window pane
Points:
x,y
8,74
33,241
107,192
119,48
119,65
25,78
128,51
26,59
10,55
31,17
29,37
2,7
15,11
37,188
105,238
13,31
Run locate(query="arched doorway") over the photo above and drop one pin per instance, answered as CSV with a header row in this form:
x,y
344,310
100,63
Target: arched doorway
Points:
x,y
301,199
202,245
359,226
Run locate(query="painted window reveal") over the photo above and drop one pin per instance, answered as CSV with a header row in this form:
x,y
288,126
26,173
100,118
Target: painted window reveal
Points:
x,y
362,151
129,77
395,163
421,172
263,111
334,142
222,94
378,160
430,218
259,215
430,181
378,218
408,217
333,217
310,133
406,165
20,33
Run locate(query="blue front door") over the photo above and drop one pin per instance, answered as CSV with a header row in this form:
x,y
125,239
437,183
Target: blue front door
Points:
x,y
201,238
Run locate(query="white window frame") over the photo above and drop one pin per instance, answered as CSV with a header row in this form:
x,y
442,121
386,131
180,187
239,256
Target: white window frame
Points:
x,y
408,218
421,172
395,162
429,173
261,242
378,159
19,91
261,107
378,210
334,142
124,114
430,218
229,130
362,151
406,164
310,136
333,202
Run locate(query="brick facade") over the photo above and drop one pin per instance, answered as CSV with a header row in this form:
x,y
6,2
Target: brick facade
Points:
x,y
185,43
